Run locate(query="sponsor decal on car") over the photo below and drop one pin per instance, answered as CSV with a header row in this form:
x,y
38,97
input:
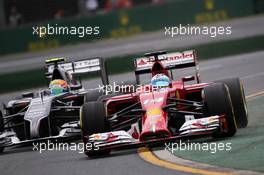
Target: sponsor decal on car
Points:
x,y
156,100
154,112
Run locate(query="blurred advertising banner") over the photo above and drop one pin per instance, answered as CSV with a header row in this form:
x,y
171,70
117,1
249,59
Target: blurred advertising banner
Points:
x,y
116,23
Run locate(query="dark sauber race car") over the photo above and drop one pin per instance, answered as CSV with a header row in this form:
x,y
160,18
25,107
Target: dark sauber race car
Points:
x,y
158,112
50,113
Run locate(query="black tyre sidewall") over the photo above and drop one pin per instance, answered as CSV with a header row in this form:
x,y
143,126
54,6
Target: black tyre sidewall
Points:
x,y
93,120
1,122
92,95
218,101
1,127
237,95
103,97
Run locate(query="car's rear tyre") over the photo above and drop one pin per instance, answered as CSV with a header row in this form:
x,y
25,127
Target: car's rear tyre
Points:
x,y
237,95
217,101
93,120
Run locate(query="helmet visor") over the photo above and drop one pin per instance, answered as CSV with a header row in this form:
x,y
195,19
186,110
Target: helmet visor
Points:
x,y
161,83
57,90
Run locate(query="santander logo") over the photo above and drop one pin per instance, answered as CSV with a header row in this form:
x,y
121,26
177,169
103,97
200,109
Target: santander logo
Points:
x,y
179,56
170,58
141,62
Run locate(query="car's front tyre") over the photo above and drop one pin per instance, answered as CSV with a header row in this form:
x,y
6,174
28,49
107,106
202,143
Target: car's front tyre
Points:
x,y
237,95
1,128
217,101
93,120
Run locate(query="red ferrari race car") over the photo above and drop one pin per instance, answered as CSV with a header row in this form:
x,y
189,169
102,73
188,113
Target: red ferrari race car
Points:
x,y
164,110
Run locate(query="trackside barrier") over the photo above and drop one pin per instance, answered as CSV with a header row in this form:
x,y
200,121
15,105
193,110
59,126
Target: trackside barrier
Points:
x,y
35,78
122,23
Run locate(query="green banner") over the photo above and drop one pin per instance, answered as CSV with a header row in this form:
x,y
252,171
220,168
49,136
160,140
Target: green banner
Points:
x,y
122,23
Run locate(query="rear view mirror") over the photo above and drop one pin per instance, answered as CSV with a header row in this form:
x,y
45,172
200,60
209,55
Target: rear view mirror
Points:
x,y
28,95
75,87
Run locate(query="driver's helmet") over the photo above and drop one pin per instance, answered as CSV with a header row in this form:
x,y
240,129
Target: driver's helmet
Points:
x,y
58,86
160,81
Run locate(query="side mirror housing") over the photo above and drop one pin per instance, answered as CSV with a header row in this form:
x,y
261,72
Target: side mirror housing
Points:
x,y
188,78
75,87
28,95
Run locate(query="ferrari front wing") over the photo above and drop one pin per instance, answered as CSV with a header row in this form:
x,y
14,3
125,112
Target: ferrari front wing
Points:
x,y
191,129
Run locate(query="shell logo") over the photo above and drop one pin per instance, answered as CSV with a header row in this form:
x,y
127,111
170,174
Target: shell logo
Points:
x,y
154,112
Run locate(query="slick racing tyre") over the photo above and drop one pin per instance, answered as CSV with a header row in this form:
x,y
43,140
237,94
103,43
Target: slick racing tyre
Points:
x,y
217,101
93,120
1,128
104,97
1,122
237,95
93,95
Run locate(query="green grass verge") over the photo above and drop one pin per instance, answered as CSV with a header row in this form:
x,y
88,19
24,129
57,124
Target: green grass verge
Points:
x,y
247,145
34,78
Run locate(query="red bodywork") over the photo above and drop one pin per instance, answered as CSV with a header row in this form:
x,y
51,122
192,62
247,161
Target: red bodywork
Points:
x,y
155,119
155,128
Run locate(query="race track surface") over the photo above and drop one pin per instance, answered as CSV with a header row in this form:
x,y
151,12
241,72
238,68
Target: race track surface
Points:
x,y
249,67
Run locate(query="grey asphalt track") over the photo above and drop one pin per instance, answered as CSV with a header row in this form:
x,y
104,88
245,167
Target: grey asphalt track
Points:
x,y
249,67
241,28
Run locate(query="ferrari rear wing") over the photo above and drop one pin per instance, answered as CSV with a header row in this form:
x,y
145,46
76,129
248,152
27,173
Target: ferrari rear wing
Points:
x,y
169,60
174,60
80,67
